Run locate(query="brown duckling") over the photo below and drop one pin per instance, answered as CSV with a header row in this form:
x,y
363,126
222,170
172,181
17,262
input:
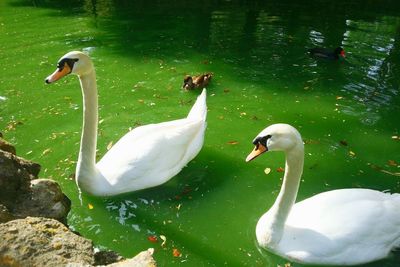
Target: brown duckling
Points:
x,y
192,82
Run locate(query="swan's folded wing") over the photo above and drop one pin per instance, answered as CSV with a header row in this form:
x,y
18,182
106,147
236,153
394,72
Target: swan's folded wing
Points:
x,y
349,225
150,155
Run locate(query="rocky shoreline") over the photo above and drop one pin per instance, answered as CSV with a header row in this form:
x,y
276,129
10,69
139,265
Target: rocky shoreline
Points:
x,y
33,221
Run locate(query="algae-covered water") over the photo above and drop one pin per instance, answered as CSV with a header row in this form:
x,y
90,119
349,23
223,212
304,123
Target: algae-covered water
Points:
x,y
347,110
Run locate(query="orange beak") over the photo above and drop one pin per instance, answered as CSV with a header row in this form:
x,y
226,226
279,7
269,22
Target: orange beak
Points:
x,y
258,150
58,74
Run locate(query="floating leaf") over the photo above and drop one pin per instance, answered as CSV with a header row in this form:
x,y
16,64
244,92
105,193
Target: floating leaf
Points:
x,y
280,169
152,238
90,206
343,142
233,142
351,153
267,170
176,252
46,151
109,146
396,137
339,97
164,239
392,163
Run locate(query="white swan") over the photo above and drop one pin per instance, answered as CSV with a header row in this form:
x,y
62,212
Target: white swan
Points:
x,y
145,157
339,227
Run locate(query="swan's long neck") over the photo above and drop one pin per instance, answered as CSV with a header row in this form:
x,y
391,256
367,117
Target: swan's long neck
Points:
x,y
86,166
287,195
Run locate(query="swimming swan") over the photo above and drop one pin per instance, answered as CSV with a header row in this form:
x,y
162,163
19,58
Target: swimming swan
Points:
x,y
145,157
338,227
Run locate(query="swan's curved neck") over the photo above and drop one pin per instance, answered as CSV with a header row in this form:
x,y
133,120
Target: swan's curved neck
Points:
x,y
287,195
86,166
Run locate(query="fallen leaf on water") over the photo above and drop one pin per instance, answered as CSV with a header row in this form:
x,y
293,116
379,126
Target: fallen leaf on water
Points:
x,y
176,252
339,97
152,238
164,239
109,146
352,154
343,142
267,170
396,137
233,142
392,163
280,169
90,206
375,167
46,151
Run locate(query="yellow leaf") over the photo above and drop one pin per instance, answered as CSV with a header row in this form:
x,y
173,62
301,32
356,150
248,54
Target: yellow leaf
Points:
x,y
90,206
46,151
164,239
352,153
109,146
267,170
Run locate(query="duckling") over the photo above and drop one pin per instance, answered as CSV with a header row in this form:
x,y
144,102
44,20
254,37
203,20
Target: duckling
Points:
x,y
192,82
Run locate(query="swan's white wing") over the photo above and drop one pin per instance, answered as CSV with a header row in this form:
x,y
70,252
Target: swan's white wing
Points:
x,y
345,226
150,155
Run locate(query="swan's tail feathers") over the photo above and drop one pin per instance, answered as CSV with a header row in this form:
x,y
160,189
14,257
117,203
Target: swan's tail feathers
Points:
x,y
199,109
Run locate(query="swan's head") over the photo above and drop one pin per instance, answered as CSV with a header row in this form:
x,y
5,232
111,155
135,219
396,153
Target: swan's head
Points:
x,y
277,137
74,62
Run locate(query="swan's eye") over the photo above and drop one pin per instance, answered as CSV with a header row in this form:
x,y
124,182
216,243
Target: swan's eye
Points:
x,y
261,140
69,61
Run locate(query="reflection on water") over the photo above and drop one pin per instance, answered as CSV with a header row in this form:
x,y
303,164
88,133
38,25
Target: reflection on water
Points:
x,y
370,78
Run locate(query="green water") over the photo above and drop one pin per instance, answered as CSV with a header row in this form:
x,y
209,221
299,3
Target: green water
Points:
x,y
347,111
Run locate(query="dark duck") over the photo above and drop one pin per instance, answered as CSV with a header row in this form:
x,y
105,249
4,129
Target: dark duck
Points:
x,y
327,54
193,82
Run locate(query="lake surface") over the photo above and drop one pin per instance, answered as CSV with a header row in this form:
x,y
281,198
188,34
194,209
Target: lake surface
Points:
x,y
347,111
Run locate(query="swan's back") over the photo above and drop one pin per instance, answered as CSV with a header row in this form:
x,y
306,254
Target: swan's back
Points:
x,y
150,155
346,227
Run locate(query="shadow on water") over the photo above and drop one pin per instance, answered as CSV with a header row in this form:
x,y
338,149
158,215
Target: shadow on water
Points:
x,y
170,208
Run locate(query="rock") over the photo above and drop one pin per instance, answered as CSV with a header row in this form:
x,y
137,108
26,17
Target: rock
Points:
x,y
23,195
38,241
143,259
5,214
42,242
6,146
44,199
105,257
15,176
35,241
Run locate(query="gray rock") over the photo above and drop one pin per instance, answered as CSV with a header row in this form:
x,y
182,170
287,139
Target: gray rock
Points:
x,y
38,241
5,214
42,242
14,177
44,199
